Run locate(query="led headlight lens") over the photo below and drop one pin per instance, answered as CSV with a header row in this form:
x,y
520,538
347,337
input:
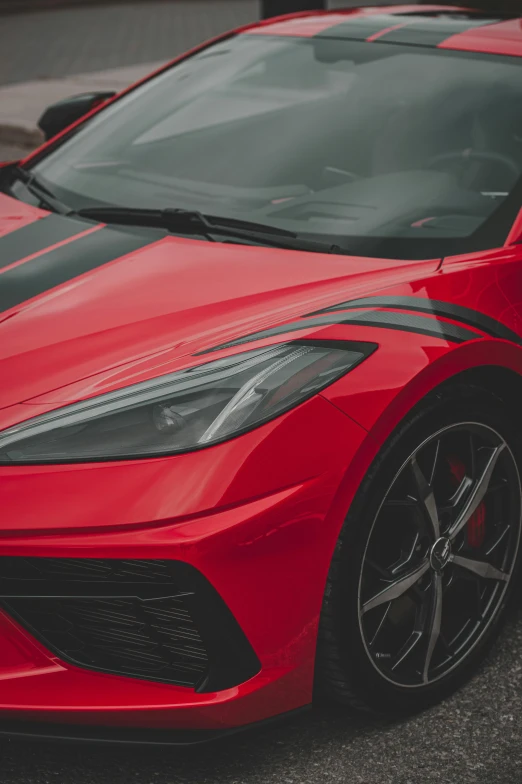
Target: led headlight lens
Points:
x,y
183,411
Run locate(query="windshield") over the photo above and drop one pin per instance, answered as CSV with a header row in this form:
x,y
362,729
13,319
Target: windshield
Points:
x,y
383,149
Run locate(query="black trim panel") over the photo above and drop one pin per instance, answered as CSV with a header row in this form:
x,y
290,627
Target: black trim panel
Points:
x,y
117,736
55,267
36,237
472,318
368,318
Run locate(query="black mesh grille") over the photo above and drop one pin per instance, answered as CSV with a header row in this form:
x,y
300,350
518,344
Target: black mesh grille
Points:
x,y
154,619
124,617
87,570
155,639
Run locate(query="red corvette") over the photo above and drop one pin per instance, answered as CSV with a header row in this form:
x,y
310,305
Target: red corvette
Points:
x,y
261,373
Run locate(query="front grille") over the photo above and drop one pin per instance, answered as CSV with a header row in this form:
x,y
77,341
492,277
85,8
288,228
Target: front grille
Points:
x,y
87,570
123,617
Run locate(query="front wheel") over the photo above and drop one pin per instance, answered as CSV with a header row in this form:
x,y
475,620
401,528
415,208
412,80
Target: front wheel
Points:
x,y
427,558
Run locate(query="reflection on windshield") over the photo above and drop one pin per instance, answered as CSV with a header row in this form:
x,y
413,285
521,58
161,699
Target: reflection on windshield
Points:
x,y
382,148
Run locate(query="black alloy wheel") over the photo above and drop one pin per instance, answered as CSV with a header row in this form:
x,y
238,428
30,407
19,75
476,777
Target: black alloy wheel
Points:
x,y
420,580
440,554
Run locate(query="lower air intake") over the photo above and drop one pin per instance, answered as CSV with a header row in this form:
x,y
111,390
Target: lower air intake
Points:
x,y
154,620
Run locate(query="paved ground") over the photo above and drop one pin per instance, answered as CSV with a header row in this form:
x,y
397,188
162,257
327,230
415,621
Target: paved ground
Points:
x,y
474,738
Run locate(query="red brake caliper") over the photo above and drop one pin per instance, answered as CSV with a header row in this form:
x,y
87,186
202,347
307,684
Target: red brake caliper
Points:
x,y
476,528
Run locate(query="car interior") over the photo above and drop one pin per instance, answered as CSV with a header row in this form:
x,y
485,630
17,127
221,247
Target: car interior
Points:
x,y
373,141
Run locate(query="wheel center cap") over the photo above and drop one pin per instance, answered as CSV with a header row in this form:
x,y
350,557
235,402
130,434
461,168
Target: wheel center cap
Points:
x,y
440,554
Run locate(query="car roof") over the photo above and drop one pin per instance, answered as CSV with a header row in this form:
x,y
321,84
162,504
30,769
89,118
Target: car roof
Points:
x,y
445,27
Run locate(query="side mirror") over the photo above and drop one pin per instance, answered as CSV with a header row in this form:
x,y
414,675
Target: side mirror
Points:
x,y
62,114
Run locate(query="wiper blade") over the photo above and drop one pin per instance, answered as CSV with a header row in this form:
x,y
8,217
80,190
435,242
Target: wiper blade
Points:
x,y
41,191
184,221
194,222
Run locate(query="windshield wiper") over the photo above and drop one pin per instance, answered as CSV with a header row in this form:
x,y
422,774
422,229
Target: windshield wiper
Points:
x,y
194,222
41,191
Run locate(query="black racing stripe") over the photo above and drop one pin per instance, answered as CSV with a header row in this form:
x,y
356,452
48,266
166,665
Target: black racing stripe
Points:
x,y
418,29
272,332
36,237
62,264
368,318
406,322
432,32
362,27
467,316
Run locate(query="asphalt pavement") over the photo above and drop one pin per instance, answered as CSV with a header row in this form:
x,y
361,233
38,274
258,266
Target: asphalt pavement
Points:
x,y
473,738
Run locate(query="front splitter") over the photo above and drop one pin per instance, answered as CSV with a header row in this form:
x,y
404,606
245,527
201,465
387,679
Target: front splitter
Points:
x,y
118,736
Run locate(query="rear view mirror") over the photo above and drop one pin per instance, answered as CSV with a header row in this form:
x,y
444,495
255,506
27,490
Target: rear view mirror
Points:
x,y
62,114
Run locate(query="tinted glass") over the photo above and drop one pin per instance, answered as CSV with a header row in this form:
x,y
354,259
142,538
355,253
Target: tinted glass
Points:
x,y
383,149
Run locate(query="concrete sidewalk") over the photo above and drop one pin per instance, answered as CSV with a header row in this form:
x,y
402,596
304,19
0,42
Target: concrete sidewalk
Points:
x,y
21,105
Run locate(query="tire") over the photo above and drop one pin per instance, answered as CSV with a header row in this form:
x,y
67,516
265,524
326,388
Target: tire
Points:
x,y
388,539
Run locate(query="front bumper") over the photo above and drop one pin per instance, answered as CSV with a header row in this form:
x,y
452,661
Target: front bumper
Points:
x,y
148,619
247,527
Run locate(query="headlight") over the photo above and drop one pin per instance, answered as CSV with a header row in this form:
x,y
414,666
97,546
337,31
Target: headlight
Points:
x,y
183,411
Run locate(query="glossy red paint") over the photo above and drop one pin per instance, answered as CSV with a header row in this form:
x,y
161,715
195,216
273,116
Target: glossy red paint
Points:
x,y
258,516
311,23
155,328
267,518
303,26
15,214
501,38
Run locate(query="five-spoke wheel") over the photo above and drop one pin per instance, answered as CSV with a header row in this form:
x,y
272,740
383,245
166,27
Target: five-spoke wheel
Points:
x,y
440,553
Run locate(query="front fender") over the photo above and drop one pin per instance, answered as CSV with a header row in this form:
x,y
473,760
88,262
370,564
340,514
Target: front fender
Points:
x,y
381,392
384,389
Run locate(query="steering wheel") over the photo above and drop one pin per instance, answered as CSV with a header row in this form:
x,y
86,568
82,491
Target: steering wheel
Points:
x,y
475,155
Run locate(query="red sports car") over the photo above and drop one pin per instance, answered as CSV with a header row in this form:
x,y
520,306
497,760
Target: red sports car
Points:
x,y
261,373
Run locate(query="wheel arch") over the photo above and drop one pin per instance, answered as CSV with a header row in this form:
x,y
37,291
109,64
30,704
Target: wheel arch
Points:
x,y
503,382
494,365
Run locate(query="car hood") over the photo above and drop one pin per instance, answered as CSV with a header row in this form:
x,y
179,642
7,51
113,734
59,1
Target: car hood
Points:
x,y
80,300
